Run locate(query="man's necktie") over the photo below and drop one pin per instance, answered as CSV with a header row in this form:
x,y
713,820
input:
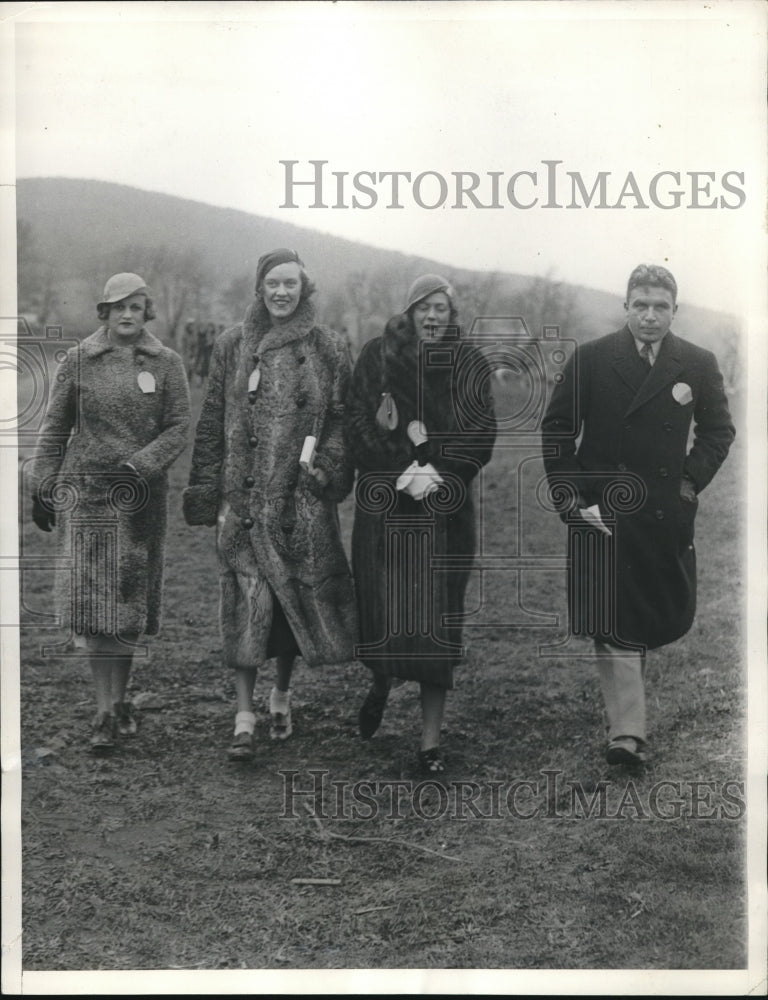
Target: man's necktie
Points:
x,y
646,353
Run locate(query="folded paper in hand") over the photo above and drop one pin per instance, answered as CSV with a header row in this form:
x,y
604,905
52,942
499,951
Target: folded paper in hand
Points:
x,y
308,452
419,481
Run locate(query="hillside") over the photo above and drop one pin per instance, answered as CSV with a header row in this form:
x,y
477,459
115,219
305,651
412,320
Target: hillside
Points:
x,y
69,241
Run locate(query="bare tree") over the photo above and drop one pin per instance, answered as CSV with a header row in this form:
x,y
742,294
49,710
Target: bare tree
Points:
x,y
236,298
546,302
728,339
476,298
178,279
36,285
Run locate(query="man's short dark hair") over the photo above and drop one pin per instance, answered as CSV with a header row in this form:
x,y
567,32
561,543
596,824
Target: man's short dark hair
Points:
x,y
652,274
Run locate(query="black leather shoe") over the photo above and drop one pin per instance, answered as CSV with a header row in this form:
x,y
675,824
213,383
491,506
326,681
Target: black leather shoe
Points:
x,y
626,750
241,747
125,715
103,733
371,712
431,762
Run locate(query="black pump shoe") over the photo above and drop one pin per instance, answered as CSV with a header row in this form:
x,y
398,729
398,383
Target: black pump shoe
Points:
x,y
371,712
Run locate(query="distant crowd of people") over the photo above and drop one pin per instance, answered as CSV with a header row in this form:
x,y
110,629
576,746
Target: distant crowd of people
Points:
x,y
197,347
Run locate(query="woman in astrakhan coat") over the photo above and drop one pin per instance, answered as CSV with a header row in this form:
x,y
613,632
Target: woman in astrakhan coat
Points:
x,y
268,469
118,417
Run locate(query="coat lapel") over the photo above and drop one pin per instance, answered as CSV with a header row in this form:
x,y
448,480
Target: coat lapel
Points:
x,y
666,369
626,362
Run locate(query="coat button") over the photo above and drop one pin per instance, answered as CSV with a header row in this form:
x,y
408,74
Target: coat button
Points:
x,y
667,427
622,467
253,441
247,522
301,401
249,480
251,398
663,473
139,359
301,359
659,514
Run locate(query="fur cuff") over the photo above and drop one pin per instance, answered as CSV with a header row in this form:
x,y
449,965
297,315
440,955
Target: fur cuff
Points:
x,y
200,505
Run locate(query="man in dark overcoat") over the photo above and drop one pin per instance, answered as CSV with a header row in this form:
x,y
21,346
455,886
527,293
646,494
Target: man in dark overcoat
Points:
x,y
625,476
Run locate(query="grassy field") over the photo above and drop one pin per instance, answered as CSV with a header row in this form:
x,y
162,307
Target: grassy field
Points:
x,y
168,856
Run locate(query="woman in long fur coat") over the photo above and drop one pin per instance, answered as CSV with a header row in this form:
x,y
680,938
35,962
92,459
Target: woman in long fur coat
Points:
x,y
418,433
118,417
276,380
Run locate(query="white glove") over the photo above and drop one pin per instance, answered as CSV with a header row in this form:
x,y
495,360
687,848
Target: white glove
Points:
x,y
592,516
419,481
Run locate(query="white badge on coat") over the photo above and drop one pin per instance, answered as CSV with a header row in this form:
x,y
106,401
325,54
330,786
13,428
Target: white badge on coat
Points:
x,y
146,381
417,432
681,393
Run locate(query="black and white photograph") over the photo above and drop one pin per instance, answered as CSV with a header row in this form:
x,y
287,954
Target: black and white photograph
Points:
x,y
383,446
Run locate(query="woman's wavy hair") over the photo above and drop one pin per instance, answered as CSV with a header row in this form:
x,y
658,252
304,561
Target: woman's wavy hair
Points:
x,y
308,287
103,308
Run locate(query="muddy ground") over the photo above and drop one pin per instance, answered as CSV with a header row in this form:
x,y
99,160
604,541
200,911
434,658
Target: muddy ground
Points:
x,y
166,855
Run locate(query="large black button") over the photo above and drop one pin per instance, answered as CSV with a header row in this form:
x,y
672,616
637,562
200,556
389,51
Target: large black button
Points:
x,y
663,473
249,480
253,441
247,522
659,515
301,359
301,401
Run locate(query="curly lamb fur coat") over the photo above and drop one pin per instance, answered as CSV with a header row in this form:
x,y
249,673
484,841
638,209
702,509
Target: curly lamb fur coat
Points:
x,y
99,418
277,529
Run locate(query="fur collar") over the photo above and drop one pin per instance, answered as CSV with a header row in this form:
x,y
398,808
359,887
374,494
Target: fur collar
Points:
x,y
430,401
99,343
260,335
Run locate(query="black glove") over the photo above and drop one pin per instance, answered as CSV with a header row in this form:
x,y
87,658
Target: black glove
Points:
x,y
44,518
423,453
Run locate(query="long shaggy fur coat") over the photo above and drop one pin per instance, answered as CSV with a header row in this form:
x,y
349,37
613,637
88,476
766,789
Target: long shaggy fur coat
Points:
x,y
110,521
405,598
277,529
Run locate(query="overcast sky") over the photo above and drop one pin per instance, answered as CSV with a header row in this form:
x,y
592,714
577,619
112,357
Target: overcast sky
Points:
x,y
204,101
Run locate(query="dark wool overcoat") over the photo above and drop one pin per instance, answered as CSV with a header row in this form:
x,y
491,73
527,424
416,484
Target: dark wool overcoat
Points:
x,y
406,591
639,586
277,529
110,522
